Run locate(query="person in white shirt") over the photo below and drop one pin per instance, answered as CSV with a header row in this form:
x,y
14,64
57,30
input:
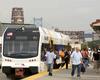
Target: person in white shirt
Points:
x,y
76,59
50,56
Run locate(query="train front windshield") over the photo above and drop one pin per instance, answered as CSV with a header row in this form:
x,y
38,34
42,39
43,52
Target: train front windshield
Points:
x,y
21,44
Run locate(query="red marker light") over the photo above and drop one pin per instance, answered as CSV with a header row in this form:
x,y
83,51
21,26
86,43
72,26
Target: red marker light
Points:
x,y
10,34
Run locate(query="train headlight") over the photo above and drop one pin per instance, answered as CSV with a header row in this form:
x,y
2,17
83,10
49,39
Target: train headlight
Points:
x,y
31,60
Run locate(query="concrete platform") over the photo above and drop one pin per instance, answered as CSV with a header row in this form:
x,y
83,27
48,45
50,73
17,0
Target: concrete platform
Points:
x,y
63,74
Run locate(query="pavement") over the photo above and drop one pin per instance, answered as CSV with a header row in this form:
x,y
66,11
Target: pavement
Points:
x,y
63,74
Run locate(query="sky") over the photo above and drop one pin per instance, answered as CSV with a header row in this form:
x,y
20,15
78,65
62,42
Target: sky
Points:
x,y
68,14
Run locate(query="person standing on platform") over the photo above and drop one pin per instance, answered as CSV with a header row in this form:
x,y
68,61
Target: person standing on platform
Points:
x,y
99,60
62,54
96,60
76,59
68,47
85,57
50,56
67,58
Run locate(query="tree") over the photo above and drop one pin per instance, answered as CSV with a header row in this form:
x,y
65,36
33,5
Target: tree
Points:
x,y
84,46
94,44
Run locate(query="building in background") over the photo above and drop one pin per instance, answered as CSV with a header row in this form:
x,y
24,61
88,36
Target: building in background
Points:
x,y
17,16
88,37
77,37
74,35
38,22
96,27
95,36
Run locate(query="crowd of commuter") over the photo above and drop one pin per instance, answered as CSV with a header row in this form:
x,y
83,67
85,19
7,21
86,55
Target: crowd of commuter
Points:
x,y
80,59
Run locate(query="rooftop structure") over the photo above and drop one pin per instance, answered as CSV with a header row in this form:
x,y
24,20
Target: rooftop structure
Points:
x,y
77,37
17,16
96,26
74,35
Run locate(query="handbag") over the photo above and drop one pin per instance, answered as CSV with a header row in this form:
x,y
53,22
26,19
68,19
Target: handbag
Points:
x,y
83,68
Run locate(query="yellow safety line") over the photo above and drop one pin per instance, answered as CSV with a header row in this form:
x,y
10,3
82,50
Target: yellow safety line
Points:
x,y
41,74
35,76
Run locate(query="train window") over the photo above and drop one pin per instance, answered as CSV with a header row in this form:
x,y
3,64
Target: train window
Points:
x,y
21,49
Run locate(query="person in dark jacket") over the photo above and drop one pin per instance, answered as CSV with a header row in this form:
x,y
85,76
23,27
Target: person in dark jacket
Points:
x,y
96,60
67,58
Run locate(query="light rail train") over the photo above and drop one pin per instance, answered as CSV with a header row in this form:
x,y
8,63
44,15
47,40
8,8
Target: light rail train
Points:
x,y
23,49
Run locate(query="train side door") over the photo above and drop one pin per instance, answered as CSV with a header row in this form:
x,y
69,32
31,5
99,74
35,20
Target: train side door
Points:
x,y
43,66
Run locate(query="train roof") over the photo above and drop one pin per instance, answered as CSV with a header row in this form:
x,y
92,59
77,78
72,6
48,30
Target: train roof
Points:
x,y
57,37
47,34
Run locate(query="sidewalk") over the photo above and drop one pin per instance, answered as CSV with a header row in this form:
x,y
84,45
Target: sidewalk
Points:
x,y
64,74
